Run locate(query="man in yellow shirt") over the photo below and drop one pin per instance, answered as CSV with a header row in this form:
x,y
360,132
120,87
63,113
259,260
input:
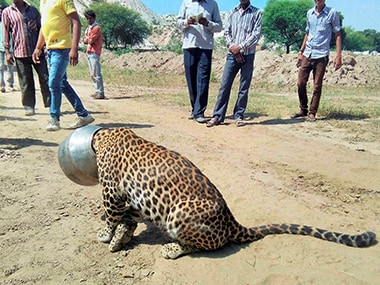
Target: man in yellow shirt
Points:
x,y
59,17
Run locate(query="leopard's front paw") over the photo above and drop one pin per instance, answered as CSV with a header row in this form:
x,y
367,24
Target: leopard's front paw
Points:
x,y
105,235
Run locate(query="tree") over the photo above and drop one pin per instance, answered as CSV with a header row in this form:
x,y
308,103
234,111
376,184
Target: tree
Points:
x,y
284,21
121,27
367,40
373,38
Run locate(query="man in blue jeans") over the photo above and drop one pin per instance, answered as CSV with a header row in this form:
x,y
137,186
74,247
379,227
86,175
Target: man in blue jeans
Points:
x,y
198,20
93,38
58,19
6,69
242,32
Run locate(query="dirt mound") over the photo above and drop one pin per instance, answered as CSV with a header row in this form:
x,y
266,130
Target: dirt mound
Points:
x,y
270,67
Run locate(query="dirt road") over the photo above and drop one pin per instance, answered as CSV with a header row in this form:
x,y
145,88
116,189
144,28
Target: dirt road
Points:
x,y
269,171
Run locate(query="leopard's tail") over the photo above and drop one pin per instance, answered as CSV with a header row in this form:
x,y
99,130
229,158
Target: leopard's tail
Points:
x,y
243,234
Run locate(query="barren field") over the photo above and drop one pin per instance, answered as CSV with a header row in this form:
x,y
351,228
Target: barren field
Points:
x,y
270,171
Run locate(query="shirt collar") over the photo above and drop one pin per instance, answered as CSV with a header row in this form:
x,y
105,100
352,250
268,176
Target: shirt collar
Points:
x,y
250,7
324,10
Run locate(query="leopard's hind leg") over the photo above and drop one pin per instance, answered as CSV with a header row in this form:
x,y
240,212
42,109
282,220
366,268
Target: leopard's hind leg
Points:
x,y
174,250
123,234
203,226
125,229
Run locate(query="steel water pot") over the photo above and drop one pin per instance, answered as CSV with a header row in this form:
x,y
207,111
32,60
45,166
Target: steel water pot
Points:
x,y
77,158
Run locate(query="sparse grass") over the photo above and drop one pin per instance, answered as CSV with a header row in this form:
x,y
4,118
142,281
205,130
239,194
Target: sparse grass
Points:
x,y
354,110
120,77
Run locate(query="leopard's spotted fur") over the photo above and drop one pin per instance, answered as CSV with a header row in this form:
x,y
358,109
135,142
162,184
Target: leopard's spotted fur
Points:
x,y
144,181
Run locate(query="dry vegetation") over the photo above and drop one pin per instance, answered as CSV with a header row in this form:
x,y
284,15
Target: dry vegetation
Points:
x,y
350,100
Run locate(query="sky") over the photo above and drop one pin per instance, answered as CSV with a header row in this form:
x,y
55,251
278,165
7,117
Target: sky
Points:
x,y
359,15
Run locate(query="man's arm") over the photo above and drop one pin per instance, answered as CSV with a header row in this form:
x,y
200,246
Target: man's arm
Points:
x,y
38,49
94,35
6,38
302,48
338,57
76,26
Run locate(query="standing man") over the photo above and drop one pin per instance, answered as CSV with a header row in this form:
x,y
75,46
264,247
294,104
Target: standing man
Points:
x,y
198,20
242,32
21,26
322,21
60,32
93,39
5,68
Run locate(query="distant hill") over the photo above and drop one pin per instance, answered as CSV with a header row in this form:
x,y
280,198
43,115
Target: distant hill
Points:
x,y
146,14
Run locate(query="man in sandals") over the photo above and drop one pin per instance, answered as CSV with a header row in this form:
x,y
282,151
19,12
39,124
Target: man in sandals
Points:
x,y
242,32
322,22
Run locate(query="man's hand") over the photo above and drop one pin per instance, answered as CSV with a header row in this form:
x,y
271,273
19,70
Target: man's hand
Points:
x,y
10,58
191,21
338,62
36,55
203,21
299,59
73,56
239,58
235,51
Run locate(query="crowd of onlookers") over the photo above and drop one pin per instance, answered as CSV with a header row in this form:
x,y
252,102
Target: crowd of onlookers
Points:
x,y
199,20
48,43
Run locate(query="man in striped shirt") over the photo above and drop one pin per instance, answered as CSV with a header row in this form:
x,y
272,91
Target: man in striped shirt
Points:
x,y
23,23
242,32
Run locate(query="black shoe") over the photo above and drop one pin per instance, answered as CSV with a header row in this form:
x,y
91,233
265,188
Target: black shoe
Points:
x,y
299,114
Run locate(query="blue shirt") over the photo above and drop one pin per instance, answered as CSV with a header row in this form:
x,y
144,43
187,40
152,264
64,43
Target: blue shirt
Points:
x,y
199,36
243,28
320,29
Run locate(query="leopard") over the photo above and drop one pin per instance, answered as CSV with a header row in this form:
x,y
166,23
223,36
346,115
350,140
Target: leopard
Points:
x,y
144,181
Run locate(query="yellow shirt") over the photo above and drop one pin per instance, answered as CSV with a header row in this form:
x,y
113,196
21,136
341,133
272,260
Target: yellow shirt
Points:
x,y
56,25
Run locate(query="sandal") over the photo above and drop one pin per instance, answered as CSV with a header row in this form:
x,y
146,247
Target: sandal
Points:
x,y
213,122
299,114
311,118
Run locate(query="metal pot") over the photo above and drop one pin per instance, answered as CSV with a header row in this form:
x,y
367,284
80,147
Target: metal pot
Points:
x,y
77,158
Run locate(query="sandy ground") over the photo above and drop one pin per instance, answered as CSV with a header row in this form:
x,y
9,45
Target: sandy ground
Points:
x,y
269,171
